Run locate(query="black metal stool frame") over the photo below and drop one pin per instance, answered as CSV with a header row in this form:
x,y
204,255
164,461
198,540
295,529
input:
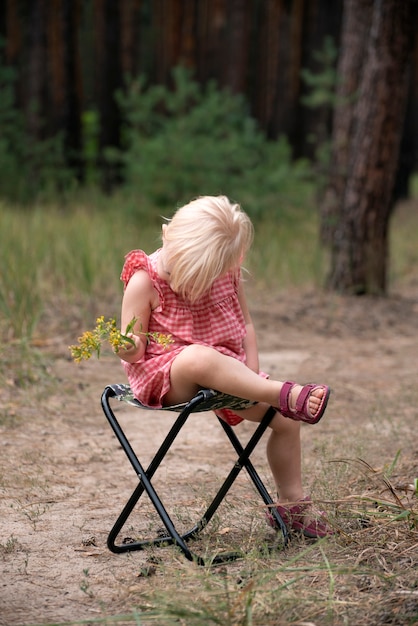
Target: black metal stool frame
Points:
x,y
206,399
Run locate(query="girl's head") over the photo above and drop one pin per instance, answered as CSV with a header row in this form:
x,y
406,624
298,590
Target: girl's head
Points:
x,y
204,240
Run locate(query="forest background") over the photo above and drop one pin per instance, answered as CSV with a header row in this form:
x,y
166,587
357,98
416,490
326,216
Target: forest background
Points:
x,y
111,115
271,102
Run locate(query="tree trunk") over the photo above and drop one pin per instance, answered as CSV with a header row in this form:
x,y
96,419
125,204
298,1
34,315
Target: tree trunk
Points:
x,y
267,62
64,77
129,37
12,31
360,239
354,38
108,78
36,69
211,24
235,68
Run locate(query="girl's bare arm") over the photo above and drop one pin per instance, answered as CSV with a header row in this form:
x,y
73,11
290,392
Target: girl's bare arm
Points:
x,y
137,303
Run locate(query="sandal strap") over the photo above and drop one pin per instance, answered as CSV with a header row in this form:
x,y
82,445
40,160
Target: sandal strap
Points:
x,y
284,397
303,397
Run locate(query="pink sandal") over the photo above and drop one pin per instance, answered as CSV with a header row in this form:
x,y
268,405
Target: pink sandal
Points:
x,y
301,412
294,518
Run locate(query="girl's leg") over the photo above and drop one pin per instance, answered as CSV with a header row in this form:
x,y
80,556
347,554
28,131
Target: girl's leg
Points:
x,y
283,453
200,366
284,457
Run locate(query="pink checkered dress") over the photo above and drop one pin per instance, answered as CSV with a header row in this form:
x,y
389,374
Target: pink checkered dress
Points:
x,y
216,320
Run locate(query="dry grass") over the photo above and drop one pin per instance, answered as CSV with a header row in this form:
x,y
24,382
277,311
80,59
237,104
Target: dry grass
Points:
x,y
63,481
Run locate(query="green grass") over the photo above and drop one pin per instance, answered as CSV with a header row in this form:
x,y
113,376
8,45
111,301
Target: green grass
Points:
x,y
286,253
75,254
53,256
404,245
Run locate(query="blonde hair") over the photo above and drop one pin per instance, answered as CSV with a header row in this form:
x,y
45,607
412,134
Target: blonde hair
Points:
x,y
204,240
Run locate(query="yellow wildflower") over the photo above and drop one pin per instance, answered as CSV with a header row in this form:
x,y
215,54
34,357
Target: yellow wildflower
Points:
x,y
91,341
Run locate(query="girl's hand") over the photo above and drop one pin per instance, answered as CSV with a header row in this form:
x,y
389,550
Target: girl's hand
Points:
x,y
132,350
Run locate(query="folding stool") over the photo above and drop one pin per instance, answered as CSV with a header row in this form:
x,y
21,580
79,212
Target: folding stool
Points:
x,y
205,400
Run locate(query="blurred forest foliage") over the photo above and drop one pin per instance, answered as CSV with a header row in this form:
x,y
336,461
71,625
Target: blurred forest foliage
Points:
x,y
76,76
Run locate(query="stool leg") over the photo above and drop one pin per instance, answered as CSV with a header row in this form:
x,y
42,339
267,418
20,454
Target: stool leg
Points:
x,y
243,458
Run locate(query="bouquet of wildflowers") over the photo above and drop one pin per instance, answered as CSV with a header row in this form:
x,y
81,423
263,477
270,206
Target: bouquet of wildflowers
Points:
x,y
91,341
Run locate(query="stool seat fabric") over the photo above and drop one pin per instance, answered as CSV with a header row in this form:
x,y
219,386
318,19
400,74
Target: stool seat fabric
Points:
x,y
213,400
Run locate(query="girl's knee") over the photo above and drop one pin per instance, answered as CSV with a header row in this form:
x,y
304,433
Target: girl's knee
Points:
x,y
196,358
285,426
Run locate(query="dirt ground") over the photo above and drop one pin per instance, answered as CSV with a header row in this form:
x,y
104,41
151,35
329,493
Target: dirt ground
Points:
x,y
63,478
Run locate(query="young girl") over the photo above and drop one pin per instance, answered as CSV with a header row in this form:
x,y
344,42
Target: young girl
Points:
x,y
191,288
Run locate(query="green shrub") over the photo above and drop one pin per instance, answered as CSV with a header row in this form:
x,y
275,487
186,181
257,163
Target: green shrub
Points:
x,y
197,140
29,167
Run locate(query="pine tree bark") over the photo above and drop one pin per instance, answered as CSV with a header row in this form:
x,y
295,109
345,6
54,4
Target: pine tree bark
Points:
x,y
36,70
359,257
235,69
354,38
108,79
64,102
